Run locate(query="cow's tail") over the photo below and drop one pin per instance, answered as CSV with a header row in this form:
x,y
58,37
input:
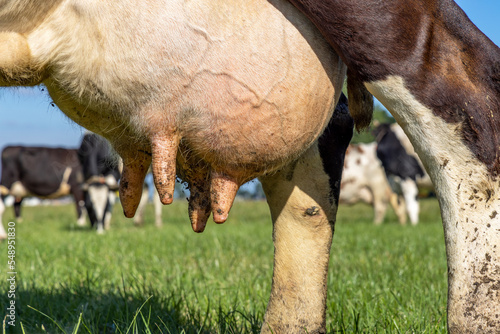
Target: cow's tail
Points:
x,y
360,102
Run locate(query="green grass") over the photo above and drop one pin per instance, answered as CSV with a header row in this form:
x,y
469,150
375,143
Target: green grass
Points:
x,y
382,279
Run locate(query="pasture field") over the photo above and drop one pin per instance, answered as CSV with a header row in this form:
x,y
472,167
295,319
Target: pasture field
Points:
x,y
382,279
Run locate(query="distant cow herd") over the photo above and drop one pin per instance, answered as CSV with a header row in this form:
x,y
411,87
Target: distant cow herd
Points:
x,y
90,174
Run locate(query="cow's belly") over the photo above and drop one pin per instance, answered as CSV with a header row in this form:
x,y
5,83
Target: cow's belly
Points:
x,y
226,80
19,190
352,192
229,76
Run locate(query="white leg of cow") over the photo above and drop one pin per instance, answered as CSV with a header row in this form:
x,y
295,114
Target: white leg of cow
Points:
x,y
109,210
100,228
399,206
469,198
410,193
83,214
379,208
303,220
99,196
3,234
139,214
158,208
381,197
17,209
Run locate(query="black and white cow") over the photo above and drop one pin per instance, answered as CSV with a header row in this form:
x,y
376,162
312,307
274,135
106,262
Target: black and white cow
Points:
x,y
400,168
424,183
42,172
364,180
101,175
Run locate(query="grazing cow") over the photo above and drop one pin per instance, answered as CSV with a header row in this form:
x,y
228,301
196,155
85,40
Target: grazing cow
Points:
x,y
100,179
101,175
424,183
439,76
42,172
211,90
363,179
400,168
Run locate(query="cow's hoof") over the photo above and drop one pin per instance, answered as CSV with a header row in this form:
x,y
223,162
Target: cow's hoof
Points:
x,y
80,223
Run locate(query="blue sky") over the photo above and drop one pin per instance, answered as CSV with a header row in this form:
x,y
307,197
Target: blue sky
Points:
x,y
27,117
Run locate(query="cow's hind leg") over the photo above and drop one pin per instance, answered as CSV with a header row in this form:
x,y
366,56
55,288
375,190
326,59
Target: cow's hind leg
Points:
x,y
302,233
158,208
410,193
3,234
17,209
139,214
79,198
398,204
303,201
380,203
109,210
81,213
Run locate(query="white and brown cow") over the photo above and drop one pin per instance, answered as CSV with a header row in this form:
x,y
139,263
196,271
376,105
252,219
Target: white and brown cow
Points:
x,y
364,180
440,78
215,91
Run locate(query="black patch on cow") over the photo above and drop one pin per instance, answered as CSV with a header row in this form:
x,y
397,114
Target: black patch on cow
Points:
x,y
333,144
395,160
445,61
95,155
41,170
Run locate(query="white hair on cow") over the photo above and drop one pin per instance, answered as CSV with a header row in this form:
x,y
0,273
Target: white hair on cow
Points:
x,y
98,194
